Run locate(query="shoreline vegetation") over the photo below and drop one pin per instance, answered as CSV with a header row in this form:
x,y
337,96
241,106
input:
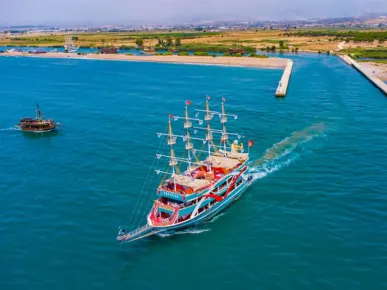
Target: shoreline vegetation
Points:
x,y
250,40
209,60
365,45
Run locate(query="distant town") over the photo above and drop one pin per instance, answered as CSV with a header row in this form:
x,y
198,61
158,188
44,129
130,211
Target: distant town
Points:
x,y
364,22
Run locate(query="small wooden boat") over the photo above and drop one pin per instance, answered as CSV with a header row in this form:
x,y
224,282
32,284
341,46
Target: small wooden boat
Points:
x,y
38,124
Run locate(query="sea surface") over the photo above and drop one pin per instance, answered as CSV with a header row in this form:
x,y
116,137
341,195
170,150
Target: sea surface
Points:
x,y
315,218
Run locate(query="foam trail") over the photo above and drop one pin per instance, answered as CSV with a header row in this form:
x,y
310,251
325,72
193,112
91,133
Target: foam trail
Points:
x,y
192,231
282,153
10,129
278,156
215,218
263,170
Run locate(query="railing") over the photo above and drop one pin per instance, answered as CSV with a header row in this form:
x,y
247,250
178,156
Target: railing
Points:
x,y
133,234
169,221
139,230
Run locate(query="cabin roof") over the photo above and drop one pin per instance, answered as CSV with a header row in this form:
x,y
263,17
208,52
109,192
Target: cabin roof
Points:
x,y
221,161
27,120
195,184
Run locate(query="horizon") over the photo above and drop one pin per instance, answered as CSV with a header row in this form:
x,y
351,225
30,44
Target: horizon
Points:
x,y
173,12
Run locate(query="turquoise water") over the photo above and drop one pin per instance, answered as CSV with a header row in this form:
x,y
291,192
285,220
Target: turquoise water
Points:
x,y
316,217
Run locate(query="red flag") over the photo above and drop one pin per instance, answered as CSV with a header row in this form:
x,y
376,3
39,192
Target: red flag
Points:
x,y
188,102
170,116
251,143
208,98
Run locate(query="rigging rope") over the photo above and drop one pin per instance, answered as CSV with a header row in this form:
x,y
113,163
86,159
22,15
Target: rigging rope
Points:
x,y
141,197
149,184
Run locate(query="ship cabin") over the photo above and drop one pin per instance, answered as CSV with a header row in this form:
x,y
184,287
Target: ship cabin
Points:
x,y
179,195
31,124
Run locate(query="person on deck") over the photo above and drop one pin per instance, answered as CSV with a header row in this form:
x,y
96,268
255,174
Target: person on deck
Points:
x,y
235,147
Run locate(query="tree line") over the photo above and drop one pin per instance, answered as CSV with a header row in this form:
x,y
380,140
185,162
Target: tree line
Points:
x,y
161,42
356,36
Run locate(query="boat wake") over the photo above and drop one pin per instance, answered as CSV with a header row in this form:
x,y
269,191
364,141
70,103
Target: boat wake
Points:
x,y
10,129
215,218
192,231
276,157
285,152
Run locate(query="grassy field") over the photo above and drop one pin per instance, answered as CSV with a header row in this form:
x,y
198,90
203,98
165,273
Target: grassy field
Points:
x,y
382,61
303,39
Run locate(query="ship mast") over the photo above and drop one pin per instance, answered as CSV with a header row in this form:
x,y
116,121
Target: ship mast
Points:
x,y
208,117
223,120
38,113
188,143
171,139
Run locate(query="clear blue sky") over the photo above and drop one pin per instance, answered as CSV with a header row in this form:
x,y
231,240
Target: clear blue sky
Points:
x,y
86,12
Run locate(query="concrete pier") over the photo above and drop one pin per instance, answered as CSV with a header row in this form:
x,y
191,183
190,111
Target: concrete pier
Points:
x,y
368,74
284,82
347,59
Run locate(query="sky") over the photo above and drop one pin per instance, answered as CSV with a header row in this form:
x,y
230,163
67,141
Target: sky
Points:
x,y
102,12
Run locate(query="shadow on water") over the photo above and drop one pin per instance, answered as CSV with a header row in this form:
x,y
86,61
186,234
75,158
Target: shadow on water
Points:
x,y
34,135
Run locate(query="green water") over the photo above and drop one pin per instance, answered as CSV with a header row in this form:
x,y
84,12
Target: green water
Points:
x,y
314,219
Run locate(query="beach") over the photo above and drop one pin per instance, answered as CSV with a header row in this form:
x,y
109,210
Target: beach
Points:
x,y
228,61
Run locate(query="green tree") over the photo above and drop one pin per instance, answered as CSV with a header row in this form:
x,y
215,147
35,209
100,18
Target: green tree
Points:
x,y
281,44
139,42
168,41
160,41
177,42
75,38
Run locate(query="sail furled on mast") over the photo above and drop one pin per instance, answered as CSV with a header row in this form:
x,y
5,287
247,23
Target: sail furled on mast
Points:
x,y
223,116
187,120
224,137
171,138
208,115
172,141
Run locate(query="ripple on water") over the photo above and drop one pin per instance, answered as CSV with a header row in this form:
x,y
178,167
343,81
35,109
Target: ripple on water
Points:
x,y
314,218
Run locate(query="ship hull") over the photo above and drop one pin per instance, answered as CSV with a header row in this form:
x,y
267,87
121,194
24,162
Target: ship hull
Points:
x,y
37,130
207,214
201,218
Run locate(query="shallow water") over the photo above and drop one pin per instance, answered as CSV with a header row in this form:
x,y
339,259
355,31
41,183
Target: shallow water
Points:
x,y
314,219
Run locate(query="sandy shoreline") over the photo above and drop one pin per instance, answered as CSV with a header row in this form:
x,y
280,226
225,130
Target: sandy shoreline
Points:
x,y
227,61
377,69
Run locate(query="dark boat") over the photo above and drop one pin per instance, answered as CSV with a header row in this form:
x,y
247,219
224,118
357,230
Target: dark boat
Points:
x,y
37,124
109,50
232,51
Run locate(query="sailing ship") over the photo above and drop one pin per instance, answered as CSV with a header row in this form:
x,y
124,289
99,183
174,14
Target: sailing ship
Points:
x,y
206,187
38,124
69,45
